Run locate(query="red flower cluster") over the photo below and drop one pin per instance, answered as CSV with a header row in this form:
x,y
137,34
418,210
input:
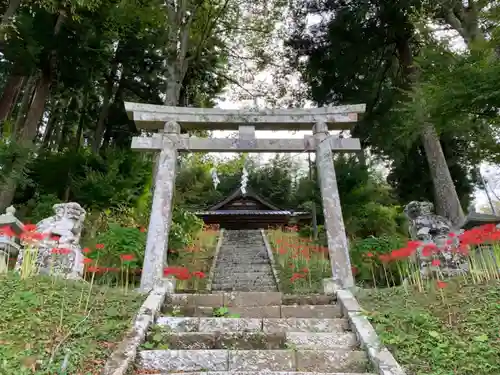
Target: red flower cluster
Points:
x,y
301,248
488,233
60,251
182,273
127,257
299,275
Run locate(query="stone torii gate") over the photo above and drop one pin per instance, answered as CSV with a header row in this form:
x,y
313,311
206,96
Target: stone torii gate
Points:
x,y
168,141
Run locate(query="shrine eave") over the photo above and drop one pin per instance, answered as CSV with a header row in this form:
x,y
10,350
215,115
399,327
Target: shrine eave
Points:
x,y
249,213
153,117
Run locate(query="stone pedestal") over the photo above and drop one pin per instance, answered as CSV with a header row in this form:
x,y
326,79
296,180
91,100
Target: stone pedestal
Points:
x,y
155,258
338,247
59,252
9,245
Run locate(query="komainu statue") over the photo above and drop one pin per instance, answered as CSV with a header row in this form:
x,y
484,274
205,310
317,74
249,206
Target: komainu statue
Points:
x,y
59,252
439,240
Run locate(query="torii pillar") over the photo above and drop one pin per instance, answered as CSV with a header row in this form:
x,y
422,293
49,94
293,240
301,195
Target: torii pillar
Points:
x,y
338,247
155,256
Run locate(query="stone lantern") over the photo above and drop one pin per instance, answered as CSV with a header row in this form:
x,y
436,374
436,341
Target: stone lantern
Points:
x,y
9,246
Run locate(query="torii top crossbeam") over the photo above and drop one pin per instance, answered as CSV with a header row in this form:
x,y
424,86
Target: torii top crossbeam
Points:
x,y
153,117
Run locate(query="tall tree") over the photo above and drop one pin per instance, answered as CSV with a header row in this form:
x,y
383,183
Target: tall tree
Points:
x,y
365,51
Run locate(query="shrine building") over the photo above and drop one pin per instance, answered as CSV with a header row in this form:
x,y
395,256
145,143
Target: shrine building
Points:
x,y
249,211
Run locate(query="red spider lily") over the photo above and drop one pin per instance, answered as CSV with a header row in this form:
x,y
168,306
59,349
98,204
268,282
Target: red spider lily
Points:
x,y
29,227
414,244
296,276
99,246
94,269
354,270
85,250
60,251
180,273
429,249
87,261
436,263
127,257
369,255
441,284
7,231
404,252
142,229
305,270
55,238
199,274
32,236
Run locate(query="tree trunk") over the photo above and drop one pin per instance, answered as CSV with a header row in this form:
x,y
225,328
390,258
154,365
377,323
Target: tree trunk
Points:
x,y
49,129
10,94
25,103
446,197
37,107
42,90
445,194
103,115
106,103
11,10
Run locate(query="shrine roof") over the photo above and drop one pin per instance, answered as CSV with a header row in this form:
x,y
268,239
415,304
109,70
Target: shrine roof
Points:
x,y
239,194
151,117
244,212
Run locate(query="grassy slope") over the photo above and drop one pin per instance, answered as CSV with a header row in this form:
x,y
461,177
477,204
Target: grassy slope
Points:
x,y
429,335
40,316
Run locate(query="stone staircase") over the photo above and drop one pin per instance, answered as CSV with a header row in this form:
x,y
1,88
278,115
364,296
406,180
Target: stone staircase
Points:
x,y
243,263
275,334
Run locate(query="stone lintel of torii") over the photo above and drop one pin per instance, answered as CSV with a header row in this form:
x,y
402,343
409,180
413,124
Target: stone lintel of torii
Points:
x,y
153,117
168,142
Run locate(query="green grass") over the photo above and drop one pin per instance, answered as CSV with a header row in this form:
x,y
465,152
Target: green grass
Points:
x,y
43,317
433,334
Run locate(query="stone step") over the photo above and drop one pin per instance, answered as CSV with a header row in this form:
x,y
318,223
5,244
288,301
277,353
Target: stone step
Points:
x,y
321,340
308,299
253,360
257,280
228,298
240,262
267,325
238,275
277,311
256,340
244,288
238,259
245,268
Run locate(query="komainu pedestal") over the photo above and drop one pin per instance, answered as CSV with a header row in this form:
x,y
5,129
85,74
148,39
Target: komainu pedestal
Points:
x,y
59,252
439,241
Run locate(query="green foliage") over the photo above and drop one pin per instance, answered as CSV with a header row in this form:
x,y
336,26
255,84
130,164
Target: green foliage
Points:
x,y
185,226
119,240
42,207
369,269
434,333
